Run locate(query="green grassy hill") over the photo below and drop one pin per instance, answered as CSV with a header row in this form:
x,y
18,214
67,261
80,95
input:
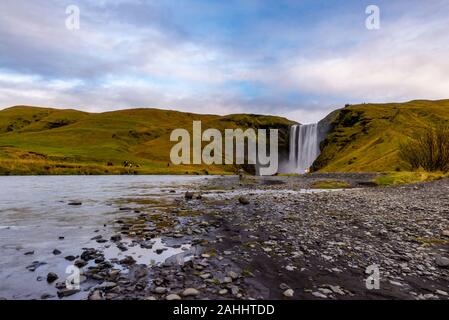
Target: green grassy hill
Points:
x,y
52,141
366,137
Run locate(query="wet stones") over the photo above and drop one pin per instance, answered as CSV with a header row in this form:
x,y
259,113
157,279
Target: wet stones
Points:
x,y
56,252
116,238
128,261
172,297
80,263
96,295
36,264
190,292
442,262
70,258
244,200
67,292
288,293
52,277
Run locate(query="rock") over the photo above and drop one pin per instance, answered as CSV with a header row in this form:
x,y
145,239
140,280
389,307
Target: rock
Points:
x,y
75,203
61,238
233,275
52,277
445,233
189,195
29,253
223,292
319,295
243,200
70,258
116,238
441,292
80,263
160,251
442,262
290,268
190,292
96,295
235,290
67,292
284,286
107,285
36,264
325,291
227,280
128,261
172,296
337,290
46,296
205,275
288,293
56,252
160,290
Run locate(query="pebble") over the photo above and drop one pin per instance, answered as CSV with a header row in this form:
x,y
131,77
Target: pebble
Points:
x,y
319,295
442,262
172,296
190,292
52,277
289,293
243,200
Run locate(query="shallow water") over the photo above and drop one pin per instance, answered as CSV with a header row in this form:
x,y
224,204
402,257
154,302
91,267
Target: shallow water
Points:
x,y
34,213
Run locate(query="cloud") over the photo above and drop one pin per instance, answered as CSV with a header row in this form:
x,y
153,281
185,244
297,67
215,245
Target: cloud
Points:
x,y
298,59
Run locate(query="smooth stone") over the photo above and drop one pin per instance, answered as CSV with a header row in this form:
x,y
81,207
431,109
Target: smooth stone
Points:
x,y
67,292
442,262
243,200
190,292
96,295
52,277
233,275
172,296
160,290
289,293
56,252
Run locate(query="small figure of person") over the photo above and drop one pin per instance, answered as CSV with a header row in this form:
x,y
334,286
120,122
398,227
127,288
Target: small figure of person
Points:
x,y
241,174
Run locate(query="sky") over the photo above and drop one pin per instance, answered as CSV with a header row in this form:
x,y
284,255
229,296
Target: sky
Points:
x,y
299,59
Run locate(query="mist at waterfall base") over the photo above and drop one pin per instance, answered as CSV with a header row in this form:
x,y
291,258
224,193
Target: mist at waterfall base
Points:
x,y
304,149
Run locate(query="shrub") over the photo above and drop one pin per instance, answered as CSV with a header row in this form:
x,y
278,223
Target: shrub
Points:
x,y
429,151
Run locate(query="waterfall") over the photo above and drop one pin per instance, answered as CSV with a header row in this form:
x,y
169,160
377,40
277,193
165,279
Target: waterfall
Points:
x,y
304,147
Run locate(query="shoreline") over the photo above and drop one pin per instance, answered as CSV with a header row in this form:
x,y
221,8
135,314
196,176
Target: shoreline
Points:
x,y
271,238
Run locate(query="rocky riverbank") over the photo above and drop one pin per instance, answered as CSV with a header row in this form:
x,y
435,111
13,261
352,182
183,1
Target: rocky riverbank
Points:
x,y
274,238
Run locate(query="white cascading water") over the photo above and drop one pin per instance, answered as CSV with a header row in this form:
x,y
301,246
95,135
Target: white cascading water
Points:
x,y
304,147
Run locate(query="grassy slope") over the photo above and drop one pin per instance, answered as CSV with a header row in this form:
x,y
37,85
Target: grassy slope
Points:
x,y
366,137
52,141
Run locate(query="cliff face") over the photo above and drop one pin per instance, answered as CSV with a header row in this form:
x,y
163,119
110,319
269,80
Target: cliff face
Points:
x,y
366,137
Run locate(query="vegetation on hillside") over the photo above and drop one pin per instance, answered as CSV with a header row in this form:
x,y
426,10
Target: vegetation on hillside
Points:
x,y
52,141
428,150
368,137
